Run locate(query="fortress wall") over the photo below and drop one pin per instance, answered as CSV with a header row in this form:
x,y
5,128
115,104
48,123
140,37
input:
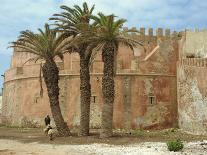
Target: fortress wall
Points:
x,y
18,58
195,43
192,101
133,107
197,62
191,83
152,99
163,61
23,102
145,94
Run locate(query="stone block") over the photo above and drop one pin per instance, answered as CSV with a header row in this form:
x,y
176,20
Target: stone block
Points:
x,y
150,32
159,32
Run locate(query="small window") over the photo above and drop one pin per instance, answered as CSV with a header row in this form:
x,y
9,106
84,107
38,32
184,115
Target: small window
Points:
x,y
37,98
93,98
152,99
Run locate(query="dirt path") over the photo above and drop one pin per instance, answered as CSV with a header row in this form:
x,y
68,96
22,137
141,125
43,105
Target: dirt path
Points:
x,y
19,141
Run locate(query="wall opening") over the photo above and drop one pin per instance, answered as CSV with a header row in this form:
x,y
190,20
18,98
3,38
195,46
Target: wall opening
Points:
x,y
93,98
152,99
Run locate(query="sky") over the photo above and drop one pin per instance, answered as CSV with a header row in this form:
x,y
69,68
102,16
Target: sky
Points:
x,y
18,15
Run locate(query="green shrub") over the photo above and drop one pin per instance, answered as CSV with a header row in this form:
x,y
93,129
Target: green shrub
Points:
x,y
176,145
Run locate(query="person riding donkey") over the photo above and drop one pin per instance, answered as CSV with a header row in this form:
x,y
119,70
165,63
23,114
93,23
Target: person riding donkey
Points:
x,y
47,120
49,131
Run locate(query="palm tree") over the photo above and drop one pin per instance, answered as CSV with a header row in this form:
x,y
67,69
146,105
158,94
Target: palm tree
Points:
x,y
107,35
72,22
47,45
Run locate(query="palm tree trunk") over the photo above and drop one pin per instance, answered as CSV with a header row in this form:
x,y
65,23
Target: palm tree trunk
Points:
x,y
51,77
108,91
85,94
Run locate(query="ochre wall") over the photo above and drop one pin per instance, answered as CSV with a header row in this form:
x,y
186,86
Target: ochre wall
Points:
x,y
137,83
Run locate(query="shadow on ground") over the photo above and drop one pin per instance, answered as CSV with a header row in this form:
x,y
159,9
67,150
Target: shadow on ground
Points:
x,y
121,137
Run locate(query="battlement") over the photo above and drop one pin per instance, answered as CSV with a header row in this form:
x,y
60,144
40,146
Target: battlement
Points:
x,y
197,62
159,32
149,37
196,30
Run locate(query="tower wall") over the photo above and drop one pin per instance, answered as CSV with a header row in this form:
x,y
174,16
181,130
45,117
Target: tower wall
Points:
x,y
192,83
145,91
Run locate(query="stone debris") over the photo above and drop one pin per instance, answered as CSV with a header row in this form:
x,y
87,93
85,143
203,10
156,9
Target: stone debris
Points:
x,y
147,148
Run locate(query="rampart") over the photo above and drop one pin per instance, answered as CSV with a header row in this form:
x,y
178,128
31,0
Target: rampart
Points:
x,y
192,83
145,90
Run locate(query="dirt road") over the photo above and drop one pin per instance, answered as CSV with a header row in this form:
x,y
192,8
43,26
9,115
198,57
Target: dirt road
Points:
x,y
18,141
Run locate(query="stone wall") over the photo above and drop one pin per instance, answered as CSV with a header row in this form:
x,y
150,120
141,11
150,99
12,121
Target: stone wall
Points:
x,y
196,43
192,100
145,91
192,83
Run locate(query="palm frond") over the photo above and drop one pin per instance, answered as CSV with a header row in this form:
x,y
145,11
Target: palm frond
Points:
x,y
78,9
69,20
46,44
35,59
91,10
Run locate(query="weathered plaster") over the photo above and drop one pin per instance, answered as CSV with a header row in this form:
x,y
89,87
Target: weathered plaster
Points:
x,y
196,43
192,103
135,81
191,82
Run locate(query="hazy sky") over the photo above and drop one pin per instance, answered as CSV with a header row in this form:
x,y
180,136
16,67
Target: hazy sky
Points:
x,y
18,15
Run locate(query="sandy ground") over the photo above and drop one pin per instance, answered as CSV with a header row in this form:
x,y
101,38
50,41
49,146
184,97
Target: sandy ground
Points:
x,y
13,147
27,141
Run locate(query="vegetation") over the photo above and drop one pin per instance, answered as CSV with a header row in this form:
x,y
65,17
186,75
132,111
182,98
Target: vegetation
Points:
x,y
78,34
72,22
106,35
175,146
47,45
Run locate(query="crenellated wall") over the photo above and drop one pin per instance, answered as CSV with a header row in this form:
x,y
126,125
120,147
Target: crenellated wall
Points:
x,y
145,90
152,89
192,83
150,32
196,62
